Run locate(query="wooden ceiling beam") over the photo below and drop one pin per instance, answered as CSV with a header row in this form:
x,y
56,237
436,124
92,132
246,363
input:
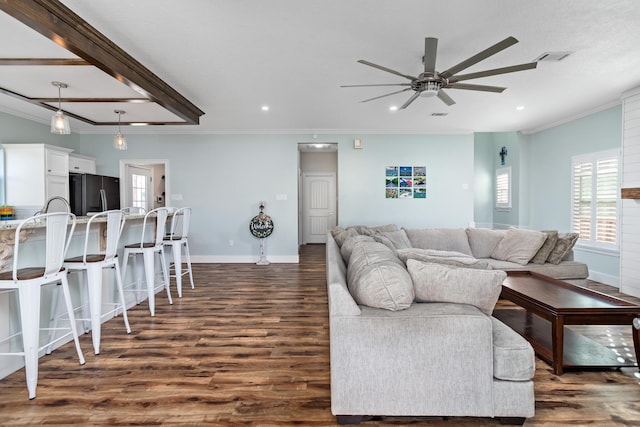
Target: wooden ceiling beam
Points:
x,y
43,61
89,100
61,25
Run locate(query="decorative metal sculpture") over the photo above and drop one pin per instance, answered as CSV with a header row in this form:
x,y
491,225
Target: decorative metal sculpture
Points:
x,y
261,226
503,153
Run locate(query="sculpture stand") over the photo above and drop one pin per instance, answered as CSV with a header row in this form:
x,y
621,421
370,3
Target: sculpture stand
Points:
x,y
263,256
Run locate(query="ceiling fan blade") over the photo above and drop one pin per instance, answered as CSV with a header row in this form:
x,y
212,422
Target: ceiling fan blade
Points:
x,y
410,100
495,71
509,41
430,51
388,70
388,94
445,98
382,84
483,88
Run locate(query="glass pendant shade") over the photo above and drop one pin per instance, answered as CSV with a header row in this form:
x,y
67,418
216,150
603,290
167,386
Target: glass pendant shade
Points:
x,y
119,142
60,124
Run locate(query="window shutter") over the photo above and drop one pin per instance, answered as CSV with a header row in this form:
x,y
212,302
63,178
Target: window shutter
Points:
x,y
594,204
581,215
503,190
607,200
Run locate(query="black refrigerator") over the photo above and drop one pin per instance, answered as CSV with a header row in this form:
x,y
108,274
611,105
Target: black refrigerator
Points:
x,y
90,193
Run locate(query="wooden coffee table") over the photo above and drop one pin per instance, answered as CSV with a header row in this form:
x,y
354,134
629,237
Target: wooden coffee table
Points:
x,y
550,305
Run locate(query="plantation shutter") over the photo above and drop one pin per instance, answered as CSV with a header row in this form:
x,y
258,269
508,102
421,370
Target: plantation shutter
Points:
x,y
607,200
581,214
503,192
594,204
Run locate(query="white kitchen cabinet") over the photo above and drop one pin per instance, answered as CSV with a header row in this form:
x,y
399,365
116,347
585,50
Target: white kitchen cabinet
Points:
x,y
81,164
34,173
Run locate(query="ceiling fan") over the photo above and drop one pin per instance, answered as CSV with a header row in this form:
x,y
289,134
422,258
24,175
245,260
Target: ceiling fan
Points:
x,y
430,82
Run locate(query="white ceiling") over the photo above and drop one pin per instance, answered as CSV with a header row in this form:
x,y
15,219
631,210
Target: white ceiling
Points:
x,y
230,57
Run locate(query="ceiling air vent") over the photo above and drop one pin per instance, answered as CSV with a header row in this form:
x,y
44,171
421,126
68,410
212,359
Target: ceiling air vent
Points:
x,y
552,56
438,114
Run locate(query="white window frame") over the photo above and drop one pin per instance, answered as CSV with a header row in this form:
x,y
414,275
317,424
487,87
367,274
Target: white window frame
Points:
x,y
592,242
503,204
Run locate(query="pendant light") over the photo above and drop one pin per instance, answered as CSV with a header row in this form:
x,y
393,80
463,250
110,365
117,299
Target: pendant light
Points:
x,y
60,122
119,141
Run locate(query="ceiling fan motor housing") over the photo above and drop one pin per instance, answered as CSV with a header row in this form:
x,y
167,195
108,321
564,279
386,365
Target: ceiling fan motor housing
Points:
x,y
428,84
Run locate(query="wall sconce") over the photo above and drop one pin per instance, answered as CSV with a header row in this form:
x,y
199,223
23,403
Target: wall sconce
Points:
x,y
60,122
357,144
119,141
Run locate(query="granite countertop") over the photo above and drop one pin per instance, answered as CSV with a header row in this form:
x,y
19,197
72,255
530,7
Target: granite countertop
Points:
x,y
12,224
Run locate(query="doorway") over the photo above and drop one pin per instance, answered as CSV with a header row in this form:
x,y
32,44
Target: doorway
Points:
x,y
317,191
145,183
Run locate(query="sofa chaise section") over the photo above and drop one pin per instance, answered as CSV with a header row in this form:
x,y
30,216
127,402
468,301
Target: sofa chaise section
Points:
x,y
430,359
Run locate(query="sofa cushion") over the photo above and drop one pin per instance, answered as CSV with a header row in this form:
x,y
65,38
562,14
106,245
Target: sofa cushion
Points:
x,y
377,278
548,245
394,240
441,283
455,259
519,245
347,247
563,246
484,240
513,356
340,235
442,239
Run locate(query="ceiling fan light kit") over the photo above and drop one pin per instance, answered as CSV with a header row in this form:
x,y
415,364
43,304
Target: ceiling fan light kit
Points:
x,y
430,82
60,122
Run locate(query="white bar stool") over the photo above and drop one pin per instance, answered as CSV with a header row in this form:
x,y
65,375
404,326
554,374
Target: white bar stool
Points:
x,y
176,239
148,250
93,264
29,282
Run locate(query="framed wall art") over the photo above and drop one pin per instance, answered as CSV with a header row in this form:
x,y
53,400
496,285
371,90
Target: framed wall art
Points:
x,y
406,182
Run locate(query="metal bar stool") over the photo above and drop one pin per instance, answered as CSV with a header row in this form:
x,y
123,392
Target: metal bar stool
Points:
x,y
28,282
176,239
93,264
148,250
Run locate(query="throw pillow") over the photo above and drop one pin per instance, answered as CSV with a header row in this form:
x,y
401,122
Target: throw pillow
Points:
x,y
519,245
341,236
441,283
347,247
484,240
394,240
547,247
563,245
455,259
377,278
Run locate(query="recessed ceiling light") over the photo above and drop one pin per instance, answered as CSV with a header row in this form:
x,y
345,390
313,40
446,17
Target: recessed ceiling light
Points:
x,y
520,107
393,108
265,108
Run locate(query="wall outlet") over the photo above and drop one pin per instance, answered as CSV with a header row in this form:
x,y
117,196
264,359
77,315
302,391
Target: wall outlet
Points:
x,y
230,242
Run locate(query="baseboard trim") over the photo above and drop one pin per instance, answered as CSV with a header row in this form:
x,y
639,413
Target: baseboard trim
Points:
x,y
243,259
607,279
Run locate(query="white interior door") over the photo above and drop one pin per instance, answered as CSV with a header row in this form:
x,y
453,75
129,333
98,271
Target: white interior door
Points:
x,y
318,206
138,188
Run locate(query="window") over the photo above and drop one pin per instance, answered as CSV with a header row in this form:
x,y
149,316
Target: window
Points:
x,y
139,191
594,201
503,188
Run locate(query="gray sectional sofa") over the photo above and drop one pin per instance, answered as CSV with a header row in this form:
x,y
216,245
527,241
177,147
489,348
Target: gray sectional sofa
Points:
x,y
411,333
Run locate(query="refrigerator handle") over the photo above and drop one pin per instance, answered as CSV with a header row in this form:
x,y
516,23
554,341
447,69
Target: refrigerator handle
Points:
x,y
103,199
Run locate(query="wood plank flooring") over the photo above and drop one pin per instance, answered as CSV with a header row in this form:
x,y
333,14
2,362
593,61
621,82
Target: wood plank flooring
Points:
x,y
249,346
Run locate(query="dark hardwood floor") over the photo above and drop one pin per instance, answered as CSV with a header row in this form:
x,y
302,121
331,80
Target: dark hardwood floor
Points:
x,y
249,346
